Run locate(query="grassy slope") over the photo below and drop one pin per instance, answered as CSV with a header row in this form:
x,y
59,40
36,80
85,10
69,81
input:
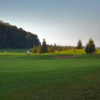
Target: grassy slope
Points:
x,y
45,78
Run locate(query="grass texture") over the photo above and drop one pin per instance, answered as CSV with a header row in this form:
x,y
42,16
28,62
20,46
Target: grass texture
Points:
x,y
42,77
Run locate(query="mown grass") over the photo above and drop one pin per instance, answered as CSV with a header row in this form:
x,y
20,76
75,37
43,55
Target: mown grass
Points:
x,y
42,77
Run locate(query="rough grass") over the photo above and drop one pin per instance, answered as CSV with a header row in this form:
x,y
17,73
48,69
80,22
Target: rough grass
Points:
x,y
41,77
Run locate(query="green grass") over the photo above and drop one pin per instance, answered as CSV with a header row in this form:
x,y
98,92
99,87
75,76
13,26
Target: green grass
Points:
x,y
41,77
14,50
78,51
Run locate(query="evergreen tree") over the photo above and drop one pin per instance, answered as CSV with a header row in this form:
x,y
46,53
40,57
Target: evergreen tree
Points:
x,y
79,45
44,46
90,47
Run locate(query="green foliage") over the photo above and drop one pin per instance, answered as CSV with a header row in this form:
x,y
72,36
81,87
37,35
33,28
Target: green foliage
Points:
x,y
11,37
44,46
79,45
55,47
34,49
38,49
51,48
90,47
61,48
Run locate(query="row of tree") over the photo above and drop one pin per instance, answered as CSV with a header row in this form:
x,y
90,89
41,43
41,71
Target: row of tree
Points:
x,y
90,46
44,48
12,37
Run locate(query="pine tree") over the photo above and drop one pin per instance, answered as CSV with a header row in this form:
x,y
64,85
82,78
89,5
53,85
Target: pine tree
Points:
x,y
90,47
44,46
79,45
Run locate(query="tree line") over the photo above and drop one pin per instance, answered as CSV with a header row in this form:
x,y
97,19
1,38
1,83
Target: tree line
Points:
x,y
89,48
44,48
12,37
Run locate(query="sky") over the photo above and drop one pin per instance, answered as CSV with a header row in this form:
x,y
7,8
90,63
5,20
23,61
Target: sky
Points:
x,y
63,22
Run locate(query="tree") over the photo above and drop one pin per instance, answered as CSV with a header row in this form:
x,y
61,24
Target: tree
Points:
x,y
63,48
12,37
90,47
44,46
79,44
38,49
55,47
51,48
59,48
34,49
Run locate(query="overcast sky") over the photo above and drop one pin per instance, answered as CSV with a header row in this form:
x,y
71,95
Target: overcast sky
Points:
x,y
63,22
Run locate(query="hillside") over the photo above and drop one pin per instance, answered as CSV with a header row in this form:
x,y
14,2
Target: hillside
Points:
x,y
12,37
